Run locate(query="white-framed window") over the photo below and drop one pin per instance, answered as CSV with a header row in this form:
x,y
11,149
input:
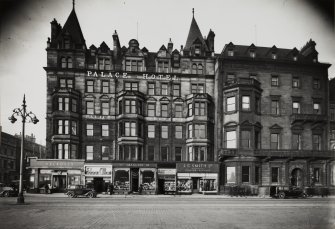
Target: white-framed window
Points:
x,y
246,102
230,139
316,108
89,129
197,88
164,110
164,89
274,81
105,87
190,131
176,90
274,141
295,82
131,86
245,139
178,110
165,132
151,131
296,107
231,175
178,132
199,108
151,109
74,127
105,108
105,130
200,131
163,66
231,104
151,88
89,152
89,107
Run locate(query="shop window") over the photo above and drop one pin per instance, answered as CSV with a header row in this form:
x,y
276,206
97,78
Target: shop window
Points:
x,y
275,174
148,180
296,108
105,108
131,86
164,110
89,86
105,87
197,88
199,108
151,88
200,131
178,132
151,110
316,108
274,141
230,139
190,109
274,81
231,104
178,153
151,153
164,153
257,174
164,89
246,102
245,174
151,131
89,129
176,90
295,82
316,142
275,107
121,180
178,111
165,132
74,105
245,139
73,127
89,107
316,84
190,131
231,175
105,130
296,141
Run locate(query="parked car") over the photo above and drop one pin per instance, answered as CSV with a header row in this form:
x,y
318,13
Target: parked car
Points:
x,y
6,191
283,192
74,191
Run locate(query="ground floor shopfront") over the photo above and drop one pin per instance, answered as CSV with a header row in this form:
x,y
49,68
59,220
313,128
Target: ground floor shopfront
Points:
x,y
259,175
56,174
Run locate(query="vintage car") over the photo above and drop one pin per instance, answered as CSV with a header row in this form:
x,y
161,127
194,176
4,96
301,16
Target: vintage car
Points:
x,y
283,192
74,191
6,191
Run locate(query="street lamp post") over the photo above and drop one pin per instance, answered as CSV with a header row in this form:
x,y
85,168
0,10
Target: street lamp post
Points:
x,y
24,115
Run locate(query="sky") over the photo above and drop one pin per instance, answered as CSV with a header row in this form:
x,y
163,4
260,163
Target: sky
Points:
x,y
25,28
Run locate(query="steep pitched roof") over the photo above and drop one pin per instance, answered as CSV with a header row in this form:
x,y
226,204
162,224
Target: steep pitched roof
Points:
x,y
72,27
194,34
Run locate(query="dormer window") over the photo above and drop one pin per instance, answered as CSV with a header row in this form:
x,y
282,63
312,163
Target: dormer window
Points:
x,y
134,65
252,54
66,62
295,58
230,53
274,56
197,50
176,57
66,43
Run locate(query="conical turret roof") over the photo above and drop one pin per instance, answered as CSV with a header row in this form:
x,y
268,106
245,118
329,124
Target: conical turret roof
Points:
x,y
194,34
72,27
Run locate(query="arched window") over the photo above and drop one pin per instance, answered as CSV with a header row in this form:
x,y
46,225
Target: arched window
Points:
x,y
63,62
200,69
69,62
194,69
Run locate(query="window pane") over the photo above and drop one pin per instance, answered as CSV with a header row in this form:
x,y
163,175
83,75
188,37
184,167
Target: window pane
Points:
x,y
151,131
164,131
275,174
246,102
178,153
231,103
245,173
231,139
274,141
245,139
179,132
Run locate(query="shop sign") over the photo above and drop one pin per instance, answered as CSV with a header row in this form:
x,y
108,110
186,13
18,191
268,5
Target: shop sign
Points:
x,y
100,171
197,167
135,165
56,164
166,171
126,75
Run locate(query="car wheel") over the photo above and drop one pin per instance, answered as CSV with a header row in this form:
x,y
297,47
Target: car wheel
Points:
x,y
70,194
90,195
281,195
6,194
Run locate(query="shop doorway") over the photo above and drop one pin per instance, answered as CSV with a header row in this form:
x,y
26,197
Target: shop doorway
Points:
x,y
134,179
59,183
297,177
98,184
161,186
195,184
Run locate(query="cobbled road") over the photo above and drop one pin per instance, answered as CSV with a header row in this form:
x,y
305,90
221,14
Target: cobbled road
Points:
x,y
51,212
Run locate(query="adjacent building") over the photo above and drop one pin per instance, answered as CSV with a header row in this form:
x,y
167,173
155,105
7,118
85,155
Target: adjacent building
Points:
x,y
182,119
10,156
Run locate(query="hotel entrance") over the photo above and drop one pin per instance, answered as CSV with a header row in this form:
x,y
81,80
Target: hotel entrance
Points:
x,y
59,183
134,179
195,181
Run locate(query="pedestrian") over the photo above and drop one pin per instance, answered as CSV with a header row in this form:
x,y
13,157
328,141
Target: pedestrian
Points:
x,y
111,188
140,189
46,188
